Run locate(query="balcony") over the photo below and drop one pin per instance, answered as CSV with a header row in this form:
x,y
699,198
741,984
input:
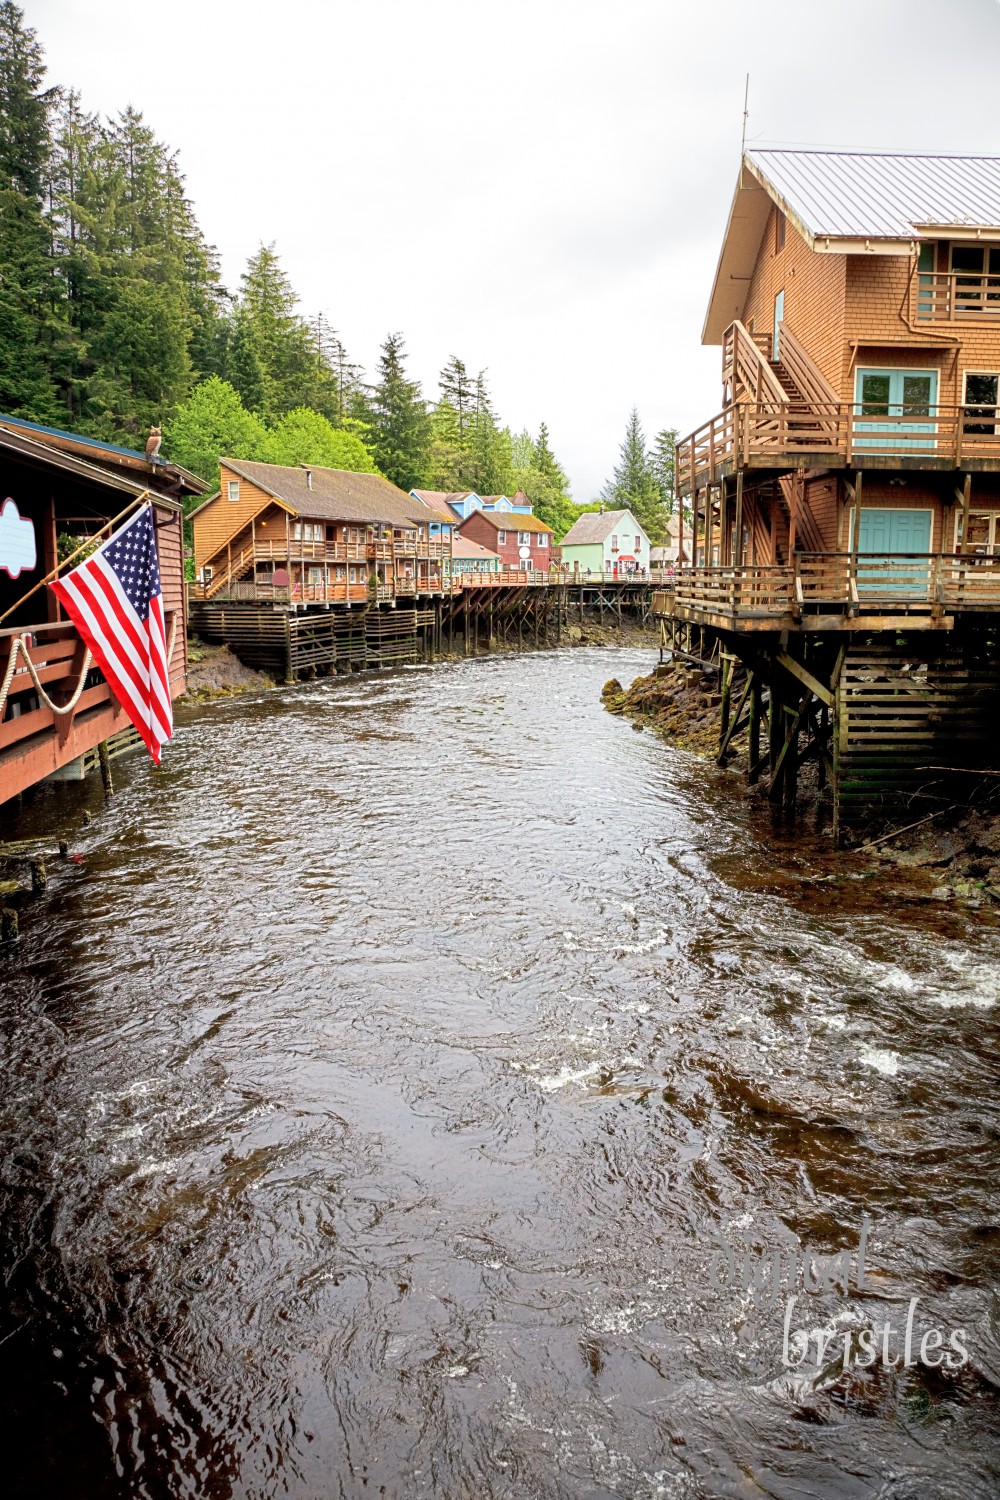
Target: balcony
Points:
x,y
953,297
35,741
836,590
830,434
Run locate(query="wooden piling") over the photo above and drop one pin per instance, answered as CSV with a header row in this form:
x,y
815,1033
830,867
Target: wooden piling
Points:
x,y
104,760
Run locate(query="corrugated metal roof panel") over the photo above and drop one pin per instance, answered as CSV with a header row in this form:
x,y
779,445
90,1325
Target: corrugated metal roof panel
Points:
x,y
855,194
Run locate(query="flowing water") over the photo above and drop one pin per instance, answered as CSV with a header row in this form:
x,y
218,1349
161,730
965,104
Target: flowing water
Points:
x,y
383,1086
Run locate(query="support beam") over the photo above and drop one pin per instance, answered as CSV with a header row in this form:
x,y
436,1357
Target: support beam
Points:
x,y
806,678
966,499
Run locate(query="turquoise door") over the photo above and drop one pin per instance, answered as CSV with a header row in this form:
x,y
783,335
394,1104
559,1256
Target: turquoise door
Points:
x,y
779,313
888,532
898,406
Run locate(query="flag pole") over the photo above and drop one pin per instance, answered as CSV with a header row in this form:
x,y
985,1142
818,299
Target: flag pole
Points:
x,y
146,495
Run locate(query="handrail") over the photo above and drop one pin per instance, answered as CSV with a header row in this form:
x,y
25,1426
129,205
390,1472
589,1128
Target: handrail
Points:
x,y
843,580
949,296
746,369
812,384
835,432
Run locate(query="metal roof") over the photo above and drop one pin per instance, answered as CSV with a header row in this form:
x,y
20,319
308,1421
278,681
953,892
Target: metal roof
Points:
x,y
859,194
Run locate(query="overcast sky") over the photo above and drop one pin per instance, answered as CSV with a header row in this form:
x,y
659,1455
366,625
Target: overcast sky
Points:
x,y
538,186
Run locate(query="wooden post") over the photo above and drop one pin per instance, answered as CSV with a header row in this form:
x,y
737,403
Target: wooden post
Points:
x,y
8,924
753,731
966,500
39,876
104,761
738,549
728,663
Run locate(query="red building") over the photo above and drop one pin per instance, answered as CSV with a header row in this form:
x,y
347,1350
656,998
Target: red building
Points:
x,y
519,541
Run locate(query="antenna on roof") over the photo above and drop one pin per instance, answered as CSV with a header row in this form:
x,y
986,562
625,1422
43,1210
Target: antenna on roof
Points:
x,y
746,113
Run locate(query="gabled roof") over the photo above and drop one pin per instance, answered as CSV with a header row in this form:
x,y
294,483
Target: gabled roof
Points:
x,y
507,520
869,195
596,526
336,494
438,502
94,450
850,203
465,547
41,454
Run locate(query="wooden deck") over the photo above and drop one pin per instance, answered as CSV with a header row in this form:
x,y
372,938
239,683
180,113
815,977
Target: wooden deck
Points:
x,y
836,591
34,740
250,591
829,435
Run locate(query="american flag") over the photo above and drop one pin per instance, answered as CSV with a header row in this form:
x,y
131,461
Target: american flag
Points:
x,y
115,601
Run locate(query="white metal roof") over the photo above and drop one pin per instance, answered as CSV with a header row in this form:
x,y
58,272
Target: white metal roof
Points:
x,y
857,194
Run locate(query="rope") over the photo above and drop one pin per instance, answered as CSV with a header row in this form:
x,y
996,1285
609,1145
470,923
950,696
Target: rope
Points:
x,y
19,644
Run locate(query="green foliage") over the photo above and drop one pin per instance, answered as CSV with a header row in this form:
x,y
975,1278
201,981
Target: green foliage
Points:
x,y
113,320
400,427
304,436
213,423
665,466
635,484
25,295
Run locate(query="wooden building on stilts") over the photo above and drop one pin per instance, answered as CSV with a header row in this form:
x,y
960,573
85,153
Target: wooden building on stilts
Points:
x,y
843,508
56,490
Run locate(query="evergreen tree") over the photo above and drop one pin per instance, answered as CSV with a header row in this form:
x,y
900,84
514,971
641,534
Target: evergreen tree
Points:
x,y
284,342
400,427
242,364
459,392
26,311
665,466
634,485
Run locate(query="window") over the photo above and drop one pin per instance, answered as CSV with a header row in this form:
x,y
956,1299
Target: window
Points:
x,y
976,269
307,531
232,489
524,538
614,542
501,536
543,539
779,231
638,544
984,533
982,393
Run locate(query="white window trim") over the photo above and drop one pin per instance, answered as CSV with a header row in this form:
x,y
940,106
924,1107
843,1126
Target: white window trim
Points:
x,y
231,485
994,537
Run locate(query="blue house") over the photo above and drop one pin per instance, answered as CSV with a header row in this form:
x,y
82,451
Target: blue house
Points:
x,y
440,519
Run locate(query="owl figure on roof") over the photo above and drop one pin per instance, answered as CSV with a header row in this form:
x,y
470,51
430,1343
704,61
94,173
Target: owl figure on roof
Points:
x,y
153,444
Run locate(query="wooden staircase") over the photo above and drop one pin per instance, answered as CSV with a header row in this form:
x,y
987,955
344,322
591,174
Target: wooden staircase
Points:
x,y
235,567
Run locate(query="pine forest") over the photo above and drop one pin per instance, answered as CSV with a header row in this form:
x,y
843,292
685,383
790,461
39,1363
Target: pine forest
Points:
x,y
114,319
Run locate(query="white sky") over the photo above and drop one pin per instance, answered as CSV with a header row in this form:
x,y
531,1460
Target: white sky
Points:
x,y
538,186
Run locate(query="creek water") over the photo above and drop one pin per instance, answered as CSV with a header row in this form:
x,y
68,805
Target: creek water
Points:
x,y
385,1080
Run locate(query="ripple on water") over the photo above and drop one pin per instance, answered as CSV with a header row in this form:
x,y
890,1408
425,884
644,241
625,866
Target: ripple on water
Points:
x,y
376,1094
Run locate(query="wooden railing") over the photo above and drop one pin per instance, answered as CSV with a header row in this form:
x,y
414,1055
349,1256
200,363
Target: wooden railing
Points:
x,y
249,589
745,367
950,296
812,384
832,434
840,580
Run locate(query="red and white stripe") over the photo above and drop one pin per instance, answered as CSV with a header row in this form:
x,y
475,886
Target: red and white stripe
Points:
x,y
131,653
